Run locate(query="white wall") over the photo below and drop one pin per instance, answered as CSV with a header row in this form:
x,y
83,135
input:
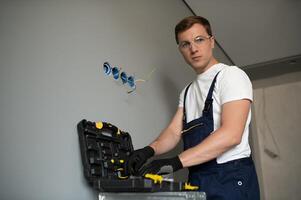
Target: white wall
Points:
x,y
51,55
276,130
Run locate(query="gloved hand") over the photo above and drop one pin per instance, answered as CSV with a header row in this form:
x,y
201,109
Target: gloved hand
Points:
x,y
162,166
138,158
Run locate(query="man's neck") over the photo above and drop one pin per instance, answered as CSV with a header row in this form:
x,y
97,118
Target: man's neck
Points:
x,y
212,62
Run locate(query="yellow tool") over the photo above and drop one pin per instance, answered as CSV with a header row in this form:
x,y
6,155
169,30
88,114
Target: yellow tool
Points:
x,y
99,125
156,178
187,186
120,175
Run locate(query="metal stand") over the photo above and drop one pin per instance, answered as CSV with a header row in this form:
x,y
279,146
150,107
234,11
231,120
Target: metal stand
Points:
x,y
153,196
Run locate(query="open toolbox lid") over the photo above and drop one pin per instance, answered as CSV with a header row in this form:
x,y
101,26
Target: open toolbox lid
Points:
x,y
105,150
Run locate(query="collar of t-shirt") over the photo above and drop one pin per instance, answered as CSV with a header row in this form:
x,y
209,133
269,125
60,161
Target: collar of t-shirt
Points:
x,y
211,71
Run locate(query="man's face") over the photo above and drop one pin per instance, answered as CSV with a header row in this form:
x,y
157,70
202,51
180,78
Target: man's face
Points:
x,y
196,46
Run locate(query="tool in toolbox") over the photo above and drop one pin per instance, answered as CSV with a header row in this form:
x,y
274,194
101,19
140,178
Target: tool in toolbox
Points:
x,y
105,150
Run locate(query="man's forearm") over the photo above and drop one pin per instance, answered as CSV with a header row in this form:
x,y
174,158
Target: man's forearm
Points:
x,y
213,146
170,136
165,142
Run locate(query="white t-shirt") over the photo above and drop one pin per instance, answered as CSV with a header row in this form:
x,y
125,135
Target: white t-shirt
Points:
x,y
231,84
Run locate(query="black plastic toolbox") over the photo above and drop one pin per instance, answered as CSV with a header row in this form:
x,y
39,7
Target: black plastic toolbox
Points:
x,y
105,150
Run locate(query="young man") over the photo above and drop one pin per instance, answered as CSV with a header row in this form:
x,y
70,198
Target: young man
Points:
x,y
213,119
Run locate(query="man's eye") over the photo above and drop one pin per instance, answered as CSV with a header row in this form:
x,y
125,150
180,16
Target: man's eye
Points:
x,y
185,45
199,40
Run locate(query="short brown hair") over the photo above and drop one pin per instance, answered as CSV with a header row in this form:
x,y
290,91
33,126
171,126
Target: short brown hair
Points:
x,y
188,22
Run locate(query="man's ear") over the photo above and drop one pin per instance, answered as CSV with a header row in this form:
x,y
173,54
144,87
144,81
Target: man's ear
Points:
x,y
212,41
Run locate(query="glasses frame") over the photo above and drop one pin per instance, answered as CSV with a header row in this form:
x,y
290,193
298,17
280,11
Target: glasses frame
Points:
x,y
198,41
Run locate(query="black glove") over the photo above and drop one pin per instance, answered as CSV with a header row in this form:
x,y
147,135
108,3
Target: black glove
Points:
x,y
162,166
138,158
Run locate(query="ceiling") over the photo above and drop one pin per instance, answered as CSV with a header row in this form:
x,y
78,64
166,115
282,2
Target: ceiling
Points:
x,y
255,33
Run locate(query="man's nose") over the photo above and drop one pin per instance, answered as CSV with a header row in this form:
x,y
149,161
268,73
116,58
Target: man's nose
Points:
x,y
193,47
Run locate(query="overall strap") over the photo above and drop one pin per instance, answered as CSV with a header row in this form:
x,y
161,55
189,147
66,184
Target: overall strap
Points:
x,y
209,100
184,109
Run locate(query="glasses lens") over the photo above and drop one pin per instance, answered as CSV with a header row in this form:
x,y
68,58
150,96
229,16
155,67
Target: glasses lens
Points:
x,y
107,68
199,40
124,77
115,72
184,45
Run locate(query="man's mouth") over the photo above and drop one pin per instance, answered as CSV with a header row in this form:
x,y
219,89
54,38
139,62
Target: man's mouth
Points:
x,y
196,58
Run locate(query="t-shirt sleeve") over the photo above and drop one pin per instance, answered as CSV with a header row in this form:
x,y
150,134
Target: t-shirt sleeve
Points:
x,y
181,98
234,84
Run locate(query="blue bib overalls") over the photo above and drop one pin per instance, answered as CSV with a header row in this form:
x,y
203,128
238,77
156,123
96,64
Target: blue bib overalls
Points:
x,y
234,180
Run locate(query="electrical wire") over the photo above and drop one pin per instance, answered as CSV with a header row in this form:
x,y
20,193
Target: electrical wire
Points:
x,y
275,152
